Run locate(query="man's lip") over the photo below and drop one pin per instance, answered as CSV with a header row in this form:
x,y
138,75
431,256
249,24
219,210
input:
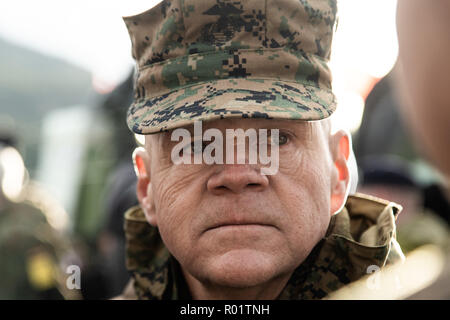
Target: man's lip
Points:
x,y
239,224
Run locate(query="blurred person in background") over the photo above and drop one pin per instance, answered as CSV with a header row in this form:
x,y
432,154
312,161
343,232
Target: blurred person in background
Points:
x,y
382,129
406,122
424,76
394,141
408,115
33,253
120,190
105,190
424,47
394,166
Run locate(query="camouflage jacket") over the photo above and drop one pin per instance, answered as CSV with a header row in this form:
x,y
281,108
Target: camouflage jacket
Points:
x,y
362,235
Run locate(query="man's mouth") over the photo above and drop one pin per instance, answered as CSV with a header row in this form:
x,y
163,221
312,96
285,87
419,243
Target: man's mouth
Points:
x,y
239,226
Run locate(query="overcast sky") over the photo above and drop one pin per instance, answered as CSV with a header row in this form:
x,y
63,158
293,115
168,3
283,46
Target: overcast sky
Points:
x,y
89,33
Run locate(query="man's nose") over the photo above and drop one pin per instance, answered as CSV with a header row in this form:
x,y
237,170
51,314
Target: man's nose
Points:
x,y
237,178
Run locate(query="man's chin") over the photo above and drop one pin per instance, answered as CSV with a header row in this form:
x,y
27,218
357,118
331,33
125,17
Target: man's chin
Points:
x,y
241,268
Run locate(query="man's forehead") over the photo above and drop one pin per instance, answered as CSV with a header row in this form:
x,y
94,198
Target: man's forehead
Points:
x,y
256,124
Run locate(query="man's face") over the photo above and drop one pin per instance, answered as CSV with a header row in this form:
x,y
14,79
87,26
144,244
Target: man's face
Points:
x,y
228,224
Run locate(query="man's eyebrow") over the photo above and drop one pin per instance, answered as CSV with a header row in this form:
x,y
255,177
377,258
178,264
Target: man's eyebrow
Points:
x,y
298,127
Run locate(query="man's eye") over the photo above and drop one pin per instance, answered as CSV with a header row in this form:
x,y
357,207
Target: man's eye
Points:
x,y
282,139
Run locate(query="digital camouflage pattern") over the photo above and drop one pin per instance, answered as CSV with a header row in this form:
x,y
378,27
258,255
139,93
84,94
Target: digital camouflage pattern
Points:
x,y
213,59
363,234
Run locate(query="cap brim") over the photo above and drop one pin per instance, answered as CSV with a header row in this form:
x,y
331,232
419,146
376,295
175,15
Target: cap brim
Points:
x,y
230,98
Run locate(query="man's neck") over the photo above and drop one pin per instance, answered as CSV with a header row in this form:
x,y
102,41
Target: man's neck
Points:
x,y
267,291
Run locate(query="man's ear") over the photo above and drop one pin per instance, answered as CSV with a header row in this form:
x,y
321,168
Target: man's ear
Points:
x,y
141,161
340,146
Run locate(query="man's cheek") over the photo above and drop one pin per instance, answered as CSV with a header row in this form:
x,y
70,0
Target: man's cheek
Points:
x,y
292,161
171,186
176,235
177,202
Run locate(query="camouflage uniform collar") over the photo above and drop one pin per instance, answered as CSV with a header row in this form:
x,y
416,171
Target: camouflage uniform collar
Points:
x,y
361,235
156,274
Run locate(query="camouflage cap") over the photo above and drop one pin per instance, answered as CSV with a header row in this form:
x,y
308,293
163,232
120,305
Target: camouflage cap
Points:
x,y
214,59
